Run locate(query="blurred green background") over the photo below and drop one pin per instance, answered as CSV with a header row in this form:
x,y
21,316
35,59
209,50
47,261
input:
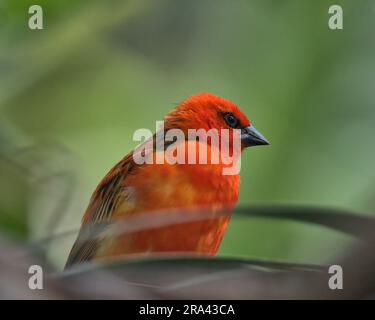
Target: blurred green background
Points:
x,y
72,95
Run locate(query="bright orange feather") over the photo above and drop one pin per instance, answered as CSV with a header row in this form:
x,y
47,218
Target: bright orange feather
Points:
x,y
129,190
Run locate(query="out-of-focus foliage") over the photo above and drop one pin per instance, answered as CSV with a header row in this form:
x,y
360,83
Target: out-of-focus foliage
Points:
x,y
72,95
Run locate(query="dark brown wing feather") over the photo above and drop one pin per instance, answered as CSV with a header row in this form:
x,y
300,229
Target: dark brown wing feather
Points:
x,y
105,201
108,196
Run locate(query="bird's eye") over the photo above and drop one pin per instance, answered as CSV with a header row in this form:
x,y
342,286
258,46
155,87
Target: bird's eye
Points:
x,y
231,120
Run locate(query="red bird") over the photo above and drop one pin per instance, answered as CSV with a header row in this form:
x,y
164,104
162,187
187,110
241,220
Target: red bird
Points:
x,y
151,191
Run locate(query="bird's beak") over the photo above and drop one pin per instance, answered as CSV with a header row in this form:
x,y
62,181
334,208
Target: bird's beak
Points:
x,y
251,137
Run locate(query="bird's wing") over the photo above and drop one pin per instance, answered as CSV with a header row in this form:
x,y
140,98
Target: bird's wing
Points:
x,y
108,197
82,250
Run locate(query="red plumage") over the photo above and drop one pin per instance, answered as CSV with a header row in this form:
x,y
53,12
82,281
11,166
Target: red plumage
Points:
x,y
131,190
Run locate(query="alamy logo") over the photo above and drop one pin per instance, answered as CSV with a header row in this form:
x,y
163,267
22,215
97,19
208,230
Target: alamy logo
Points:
x,y
36,20
196,146
36,280
335,21
336,280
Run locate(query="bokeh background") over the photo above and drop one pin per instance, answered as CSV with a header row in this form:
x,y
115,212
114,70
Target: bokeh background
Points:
x,y
72,94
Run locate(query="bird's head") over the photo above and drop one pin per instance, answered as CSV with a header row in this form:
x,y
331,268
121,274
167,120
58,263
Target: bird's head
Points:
x,y
207,111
